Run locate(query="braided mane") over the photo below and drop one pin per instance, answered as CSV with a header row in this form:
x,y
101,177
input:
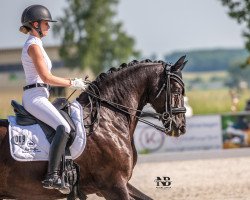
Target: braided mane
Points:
x,y
112,70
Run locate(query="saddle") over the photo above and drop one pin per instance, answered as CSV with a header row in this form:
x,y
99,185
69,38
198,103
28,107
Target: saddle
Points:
x,y
24,118
70,170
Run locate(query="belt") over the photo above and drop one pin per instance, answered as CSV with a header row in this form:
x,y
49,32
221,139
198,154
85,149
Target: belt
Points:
x,y
36,85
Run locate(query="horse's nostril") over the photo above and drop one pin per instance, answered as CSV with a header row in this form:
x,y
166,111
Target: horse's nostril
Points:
x,y
183,129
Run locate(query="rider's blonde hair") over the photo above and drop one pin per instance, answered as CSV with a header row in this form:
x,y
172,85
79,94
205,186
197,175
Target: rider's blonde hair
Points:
x,y
24,29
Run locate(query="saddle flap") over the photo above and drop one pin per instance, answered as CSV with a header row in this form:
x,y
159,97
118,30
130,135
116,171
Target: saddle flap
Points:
x,y
60,103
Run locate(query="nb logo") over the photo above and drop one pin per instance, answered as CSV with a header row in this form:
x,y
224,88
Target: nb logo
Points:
x,y
163,182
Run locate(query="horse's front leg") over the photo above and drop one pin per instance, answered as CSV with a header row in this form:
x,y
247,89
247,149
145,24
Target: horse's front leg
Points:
x,y
117,190
137,194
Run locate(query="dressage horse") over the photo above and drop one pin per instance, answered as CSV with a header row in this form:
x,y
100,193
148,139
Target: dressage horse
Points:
x,y
107,163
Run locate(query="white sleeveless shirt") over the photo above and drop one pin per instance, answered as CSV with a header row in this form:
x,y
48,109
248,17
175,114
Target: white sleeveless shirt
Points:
x,y
31,74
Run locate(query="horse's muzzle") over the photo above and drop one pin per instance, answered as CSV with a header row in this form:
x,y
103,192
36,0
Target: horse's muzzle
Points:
x,y
175,126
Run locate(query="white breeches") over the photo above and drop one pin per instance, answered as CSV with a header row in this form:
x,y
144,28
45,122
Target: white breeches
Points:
x,y
36,102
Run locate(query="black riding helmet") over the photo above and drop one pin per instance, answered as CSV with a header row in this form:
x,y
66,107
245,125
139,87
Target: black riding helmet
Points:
x,y
35,13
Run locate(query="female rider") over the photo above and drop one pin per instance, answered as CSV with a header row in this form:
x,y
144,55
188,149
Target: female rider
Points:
x,y
37,67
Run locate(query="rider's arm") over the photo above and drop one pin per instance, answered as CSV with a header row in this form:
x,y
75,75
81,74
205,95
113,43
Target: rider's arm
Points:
x,y
35,53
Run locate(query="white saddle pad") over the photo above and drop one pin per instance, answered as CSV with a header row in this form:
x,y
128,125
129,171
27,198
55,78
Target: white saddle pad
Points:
x,y
29,143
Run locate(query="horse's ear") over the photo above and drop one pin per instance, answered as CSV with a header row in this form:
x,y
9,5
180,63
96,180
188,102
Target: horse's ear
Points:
x,y
179,65
183,65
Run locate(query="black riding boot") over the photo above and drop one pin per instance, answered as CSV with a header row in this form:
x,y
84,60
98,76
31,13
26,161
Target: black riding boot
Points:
x,y
57,149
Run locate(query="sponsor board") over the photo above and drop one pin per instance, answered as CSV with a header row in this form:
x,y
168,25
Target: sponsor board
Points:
x,y
203,132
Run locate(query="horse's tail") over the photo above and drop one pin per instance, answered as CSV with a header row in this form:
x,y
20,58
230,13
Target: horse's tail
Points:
x,y
3,129
4,122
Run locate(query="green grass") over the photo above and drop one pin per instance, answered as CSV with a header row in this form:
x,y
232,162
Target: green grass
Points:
x,y
205,76
211,101
215,101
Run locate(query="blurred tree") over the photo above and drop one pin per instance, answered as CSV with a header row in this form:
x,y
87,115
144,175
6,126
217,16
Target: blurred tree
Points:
x,y
209,60
240,10
91,37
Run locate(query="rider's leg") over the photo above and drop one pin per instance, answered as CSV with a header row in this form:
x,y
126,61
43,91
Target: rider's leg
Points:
x,y
36,102
57,149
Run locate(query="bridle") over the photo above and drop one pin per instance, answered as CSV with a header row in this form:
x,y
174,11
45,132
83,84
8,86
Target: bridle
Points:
x,y
167,117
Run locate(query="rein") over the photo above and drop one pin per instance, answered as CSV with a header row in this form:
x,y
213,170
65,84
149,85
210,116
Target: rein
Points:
x,y
167,116
124,109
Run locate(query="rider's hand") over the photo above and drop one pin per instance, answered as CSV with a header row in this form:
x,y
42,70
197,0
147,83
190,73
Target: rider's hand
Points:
x,y
78,84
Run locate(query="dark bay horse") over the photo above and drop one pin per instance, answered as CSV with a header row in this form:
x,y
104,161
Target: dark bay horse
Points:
x,y
110,155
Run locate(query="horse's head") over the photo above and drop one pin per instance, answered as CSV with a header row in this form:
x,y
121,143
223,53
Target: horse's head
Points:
x,y
168,98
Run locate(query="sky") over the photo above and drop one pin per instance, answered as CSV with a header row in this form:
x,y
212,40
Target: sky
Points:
x,y
158,26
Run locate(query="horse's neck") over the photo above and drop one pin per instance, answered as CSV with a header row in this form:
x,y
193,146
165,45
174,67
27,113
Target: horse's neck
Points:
x,y
129,91
133,90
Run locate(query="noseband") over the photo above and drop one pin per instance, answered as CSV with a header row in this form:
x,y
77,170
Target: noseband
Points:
x,y
167,116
